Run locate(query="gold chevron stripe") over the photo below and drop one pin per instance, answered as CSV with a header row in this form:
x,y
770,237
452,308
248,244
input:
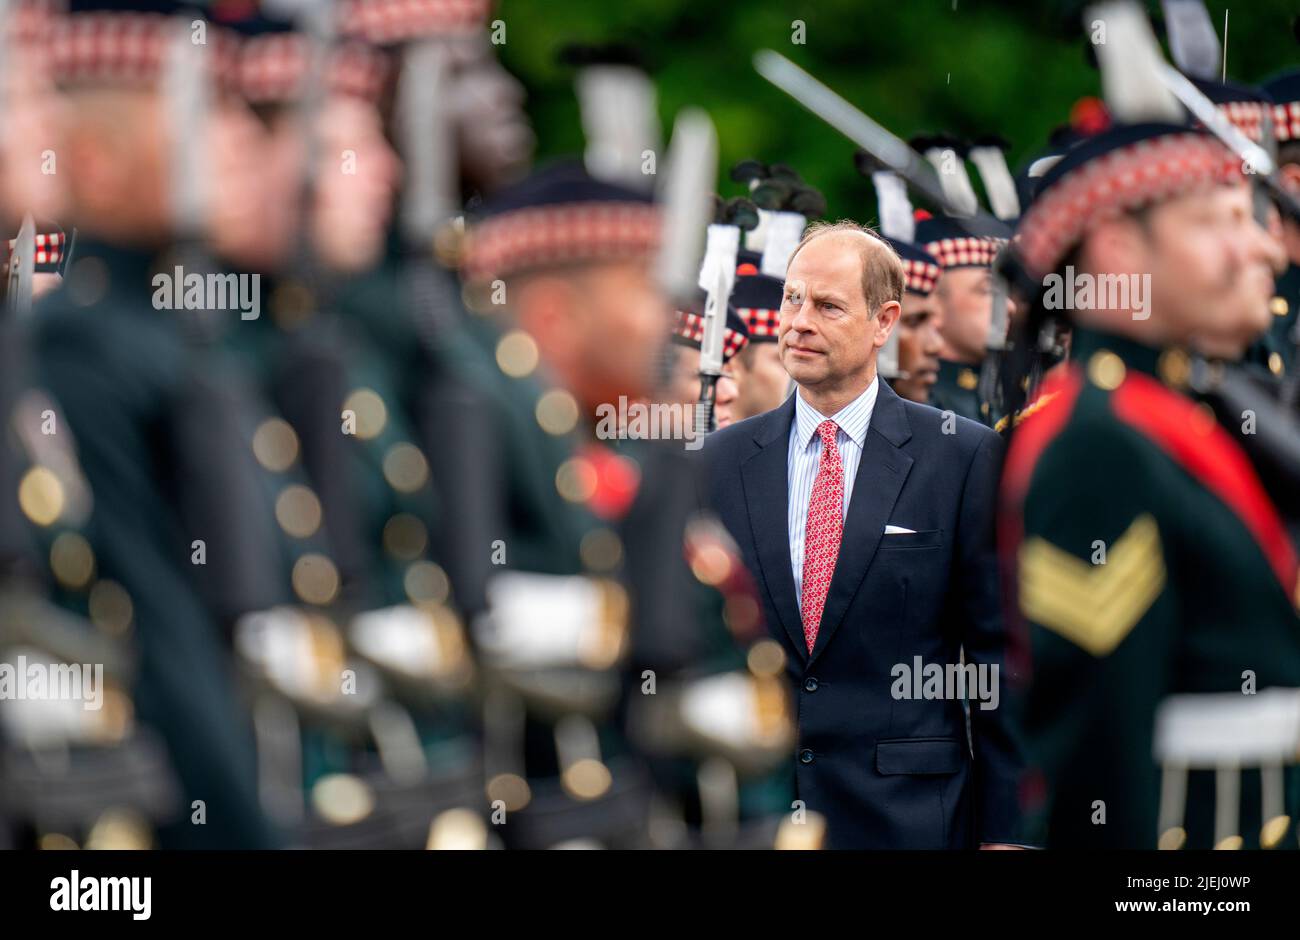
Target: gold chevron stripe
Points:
x,y
1093,606
1070,577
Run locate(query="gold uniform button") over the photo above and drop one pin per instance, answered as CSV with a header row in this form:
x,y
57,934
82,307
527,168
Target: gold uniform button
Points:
x,y
298,511
315,579
1279,307
576,480
110,608
517,354
275,445
557,412
72,560
41,496
426,583
1106,370
405,537
405,467
1175,368
369,410
967,379
292,304
601,550
1275,364
766,658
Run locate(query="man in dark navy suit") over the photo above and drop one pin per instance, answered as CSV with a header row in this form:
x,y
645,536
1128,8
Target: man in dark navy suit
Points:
x,y
867,520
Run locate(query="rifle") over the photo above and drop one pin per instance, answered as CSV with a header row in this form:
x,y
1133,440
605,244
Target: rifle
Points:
x,y
717,279
896,156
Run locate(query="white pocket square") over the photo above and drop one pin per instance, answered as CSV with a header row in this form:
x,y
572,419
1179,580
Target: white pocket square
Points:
x,y
898,530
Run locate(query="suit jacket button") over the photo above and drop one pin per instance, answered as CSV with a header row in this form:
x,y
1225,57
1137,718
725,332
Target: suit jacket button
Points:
x,y
810,684
806,756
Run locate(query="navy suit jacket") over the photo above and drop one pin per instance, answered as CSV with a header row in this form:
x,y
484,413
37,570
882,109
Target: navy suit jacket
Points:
x,y
887,771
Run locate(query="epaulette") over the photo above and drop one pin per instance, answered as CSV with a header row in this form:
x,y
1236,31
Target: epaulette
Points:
x,y
1023,413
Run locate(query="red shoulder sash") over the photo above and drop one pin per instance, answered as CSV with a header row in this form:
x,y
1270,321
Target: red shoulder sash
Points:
x,y
1207,452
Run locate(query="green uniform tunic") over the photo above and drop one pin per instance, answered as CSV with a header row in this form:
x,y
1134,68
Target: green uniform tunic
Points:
x,y
1148,562
116,365
954,390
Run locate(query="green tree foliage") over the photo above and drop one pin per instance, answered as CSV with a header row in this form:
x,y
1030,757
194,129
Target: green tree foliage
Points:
x,y
970,67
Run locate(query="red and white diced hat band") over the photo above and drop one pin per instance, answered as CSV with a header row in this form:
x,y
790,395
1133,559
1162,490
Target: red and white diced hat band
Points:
x,y
1122,169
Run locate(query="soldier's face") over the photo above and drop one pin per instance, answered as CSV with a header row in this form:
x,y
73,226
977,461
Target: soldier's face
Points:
x,y
252,205
355,182
117,145
919,345
965,297
619,320
828,337
1290,176
1212,268
684,386
29,144
761,379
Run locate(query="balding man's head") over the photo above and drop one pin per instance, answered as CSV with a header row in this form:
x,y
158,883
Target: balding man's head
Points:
x,y
883,278
843,293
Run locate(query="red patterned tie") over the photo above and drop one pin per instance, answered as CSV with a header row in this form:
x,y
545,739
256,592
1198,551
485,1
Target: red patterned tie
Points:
x,y
822,533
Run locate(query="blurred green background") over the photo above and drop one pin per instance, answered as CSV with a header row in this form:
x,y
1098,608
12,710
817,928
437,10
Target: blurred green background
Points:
x,y
970,67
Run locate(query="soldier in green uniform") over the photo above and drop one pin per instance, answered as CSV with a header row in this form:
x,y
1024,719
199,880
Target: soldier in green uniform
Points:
x,y
114,783
1145,559
116,365
329,396
683,386
1246,108
964,292
1284,89
458,120
588,326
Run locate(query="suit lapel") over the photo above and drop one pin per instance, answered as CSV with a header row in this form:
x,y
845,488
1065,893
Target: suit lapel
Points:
x,y
764,476
881,474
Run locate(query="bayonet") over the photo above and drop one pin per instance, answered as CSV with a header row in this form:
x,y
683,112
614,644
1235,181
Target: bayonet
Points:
x,y
189,96
685,193
619,121
711,345
889,149
427,145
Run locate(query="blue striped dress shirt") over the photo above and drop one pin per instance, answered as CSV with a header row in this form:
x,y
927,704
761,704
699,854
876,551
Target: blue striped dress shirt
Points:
x,y
805,456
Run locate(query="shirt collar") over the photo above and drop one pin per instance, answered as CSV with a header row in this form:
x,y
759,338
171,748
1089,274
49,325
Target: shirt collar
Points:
x,y
853,419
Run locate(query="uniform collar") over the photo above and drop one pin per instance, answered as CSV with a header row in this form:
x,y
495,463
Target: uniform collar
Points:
x,y
125,269
958,375
1135,356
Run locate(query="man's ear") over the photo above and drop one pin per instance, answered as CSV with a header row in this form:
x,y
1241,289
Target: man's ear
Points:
x,y
543,305
1116,245
886,319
